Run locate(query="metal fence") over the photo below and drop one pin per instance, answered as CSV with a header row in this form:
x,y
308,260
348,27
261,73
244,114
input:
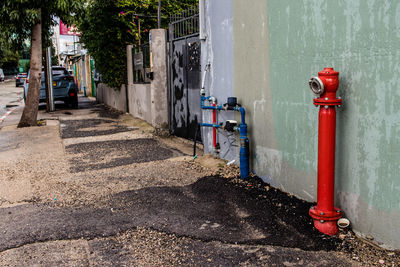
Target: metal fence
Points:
x,y
184,74
184,24
141,63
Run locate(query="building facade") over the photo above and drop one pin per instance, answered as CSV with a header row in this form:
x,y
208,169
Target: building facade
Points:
x,y
264,53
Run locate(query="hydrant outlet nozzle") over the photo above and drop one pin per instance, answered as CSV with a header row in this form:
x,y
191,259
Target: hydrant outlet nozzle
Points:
x,y
316,85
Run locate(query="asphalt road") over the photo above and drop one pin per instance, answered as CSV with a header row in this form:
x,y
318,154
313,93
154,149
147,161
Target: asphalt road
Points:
x,y
9,95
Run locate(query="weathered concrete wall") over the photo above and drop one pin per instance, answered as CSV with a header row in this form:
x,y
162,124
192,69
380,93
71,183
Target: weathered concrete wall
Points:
x,y
159,98
148,102
111,97
277,47
217,49
299,38
140,101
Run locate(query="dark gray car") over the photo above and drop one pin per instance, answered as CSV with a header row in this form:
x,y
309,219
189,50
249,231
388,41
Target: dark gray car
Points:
x,y
20,78
64,87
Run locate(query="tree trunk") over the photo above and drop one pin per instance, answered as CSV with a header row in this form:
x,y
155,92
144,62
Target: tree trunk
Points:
x,y
29,115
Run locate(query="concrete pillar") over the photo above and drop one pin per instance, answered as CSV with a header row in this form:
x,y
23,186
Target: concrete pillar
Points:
x,y
129,69
129,64
159,99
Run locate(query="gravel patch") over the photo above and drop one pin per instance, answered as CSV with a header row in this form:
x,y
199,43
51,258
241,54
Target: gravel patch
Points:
x,y
145,247
107,154
95,188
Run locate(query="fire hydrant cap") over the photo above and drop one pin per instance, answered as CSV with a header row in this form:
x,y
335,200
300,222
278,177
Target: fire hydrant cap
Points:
x,y
330,80
328,72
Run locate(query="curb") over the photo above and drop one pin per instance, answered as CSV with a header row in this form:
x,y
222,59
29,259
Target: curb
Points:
x,y
2,118
7,113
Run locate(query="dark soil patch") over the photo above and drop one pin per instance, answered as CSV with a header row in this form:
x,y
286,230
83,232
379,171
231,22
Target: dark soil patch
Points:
x,y
108,154
295,211
75,128
28,224
289,209
216,208
211,209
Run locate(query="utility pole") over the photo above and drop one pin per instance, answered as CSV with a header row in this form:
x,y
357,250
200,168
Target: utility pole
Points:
x,y
159,14
49,82
140,39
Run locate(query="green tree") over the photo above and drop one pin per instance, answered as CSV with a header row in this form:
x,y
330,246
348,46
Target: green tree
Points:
x,y
145,11
107,26
105,36
23,19
9,55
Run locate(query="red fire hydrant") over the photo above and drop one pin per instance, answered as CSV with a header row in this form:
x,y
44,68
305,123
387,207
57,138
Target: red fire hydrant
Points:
x,y
325,214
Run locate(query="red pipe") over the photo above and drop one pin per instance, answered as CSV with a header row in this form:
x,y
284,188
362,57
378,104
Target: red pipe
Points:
x,y
214,129
325,214
326,158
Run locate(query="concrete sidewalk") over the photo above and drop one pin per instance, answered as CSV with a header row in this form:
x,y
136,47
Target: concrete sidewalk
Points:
x,y
94,187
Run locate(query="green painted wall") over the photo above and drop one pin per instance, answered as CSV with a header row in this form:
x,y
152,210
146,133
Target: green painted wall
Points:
x,y
278,46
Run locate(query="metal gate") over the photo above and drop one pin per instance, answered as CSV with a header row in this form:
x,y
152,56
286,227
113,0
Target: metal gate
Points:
x,y
185,75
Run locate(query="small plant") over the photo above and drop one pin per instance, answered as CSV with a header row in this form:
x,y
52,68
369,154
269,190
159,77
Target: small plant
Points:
x,y
41,122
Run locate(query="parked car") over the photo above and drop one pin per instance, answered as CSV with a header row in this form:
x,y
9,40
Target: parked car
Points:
x,y
64,87
20,78
1,75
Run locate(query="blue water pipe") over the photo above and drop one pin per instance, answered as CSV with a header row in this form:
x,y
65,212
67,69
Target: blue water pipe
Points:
x,y
242,129
244,144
